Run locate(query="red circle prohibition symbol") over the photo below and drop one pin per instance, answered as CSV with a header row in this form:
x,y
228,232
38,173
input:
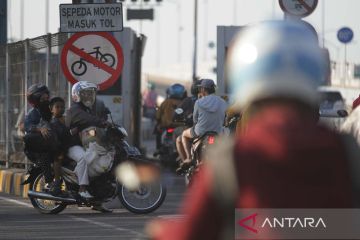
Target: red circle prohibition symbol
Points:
x,y
114,72
309,9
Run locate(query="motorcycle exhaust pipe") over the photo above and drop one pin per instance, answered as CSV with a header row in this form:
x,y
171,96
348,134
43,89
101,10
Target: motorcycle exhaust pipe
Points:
x,y
47,196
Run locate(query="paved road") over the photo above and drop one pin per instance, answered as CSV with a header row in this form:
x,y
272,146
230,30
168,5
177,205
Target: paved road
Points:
x,y
18,220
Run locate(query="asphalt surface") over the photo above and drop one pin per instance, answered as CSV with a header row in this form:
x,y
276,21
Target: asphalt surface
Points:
x,y
19,220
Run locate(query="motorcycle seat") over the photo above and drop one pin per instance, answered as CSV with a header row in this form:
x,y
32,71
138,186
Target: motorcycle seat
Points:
x,y
195,140
69,164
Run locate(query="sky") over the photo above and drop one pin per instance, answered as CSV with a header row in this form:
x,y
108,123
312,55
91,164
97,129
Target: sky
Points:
x,y
170,35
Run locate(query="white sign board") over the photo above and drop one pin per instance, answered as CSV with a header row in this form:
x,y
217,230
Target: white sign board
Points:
x,y
103,17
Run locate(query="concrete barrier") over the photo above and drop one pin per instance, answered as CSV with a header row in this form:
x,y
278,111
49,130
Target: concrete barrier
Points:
x,y
10,182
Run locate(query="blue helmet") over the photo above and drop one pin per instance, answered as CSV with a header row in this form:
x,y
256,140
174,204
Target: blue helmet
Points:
x,y
275,59
176,91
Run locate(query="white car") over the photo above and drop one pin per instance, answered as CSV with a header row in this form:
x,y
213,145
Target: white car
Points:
x,y
332,109
330,103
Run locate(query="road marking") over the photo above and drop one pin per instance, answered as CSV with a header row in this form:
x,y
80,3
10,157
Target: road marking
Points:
x,y
175,216
16,202
106,225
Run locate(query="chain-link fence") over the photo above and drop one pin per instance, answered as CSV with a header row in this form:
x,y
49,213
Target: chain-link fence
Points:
x,y
21,65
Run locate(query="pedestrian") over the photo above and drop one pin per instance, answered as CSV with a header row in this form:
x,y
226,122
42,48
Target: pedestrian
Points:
x,y
149,101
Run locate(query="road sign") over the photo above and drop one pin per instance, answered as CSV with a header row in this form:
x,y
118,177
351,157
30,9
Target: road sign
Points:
x,y
140,14
345,35
298,8
103,17
93,57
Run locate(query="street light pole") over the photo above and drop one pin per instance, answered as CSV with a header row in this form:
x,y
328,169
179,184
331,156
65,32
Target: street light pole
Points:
x,y
235,12
195,41
22,20
323,23
46,16
206,10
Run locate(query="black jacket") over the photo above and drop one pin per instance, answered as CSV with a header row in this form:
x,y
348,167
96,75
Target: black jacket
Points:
x,y
63,139
79,116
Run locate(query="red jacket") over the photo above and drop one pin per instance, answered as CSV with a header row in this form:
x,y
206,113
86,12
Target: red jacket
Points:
x,y
283,161
356,103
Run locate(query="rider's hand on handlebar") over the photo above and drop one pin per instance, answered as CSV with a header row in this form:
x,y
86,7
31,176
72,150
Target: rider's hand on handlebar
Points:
x,y
74,131
105,124
45,132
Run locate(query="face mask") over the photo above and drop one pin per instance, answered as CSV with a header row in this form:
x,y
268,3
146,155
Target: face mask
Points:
x,y
45,110
88,98
88,103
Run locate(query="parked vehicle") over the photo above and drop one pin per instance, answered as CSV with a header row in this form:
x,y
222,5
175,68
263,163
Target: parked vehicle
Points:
x,y
332,109
331,102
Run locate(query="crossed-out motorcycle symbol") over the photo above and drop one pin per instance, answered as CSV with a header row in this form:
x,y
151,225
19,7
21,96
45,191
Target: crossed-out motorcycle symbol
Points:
x,y
79,67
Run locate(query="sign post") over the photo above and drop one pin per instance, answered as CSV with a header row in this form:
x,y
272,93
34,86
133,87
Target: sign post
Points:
x,y
91,17
93,57
345,35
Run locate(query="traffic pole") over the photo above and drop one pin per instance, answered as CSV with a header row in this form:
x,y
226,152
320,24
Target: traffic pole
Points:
x,y
194,75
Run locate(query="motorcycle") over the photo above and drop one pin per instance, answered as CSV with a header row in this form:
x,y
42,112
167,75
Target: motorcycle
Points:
x,y
144,198
198,148
167,152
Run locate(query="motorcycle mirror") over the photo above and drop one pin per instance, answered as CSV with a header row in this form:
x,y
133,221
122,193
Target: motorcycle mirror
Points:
x,y
342,113
107,111
179,111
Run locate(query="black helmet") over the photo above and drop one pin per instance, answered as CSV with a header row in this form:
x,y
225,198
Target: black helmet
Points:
x,y
35,92
195,87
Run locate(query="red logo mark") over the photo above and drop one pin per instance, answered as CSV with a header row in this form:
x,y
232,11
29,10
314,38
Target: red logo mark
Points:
x,y
250,228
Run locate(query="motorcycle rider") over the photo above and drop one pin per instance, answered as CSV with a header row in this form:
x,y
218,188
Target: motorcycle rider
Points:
x,y
283,159
81,115
209,115
164,115
187,105
37,130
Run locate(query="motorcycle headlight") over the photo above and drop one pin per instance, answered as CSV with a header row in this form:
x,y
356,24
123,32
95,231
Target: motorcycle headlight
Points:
x,y
92,133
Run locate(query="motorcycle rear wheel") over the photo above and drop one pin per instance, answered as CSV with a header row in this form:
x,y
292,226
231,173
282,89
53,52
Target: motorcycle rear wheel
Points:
x,y
42,205
145,200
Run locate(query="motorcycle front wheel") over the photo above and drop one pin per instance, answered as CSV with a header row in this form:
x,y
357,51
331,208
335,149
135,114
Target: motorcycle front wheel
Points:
x,y
42,205
146,199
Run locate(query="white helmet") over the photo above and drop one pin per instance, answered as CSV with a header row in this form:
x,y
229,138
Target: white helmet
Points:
x,y
84,92
275,59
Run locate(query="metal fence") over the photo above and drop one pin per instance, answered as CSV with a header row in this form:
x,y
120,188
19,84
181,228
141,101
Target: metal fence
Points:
x,y
21,65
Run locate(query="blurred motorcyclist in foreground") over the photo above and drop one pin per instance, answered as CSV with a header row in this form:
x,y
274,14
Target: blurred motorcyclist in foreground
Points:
x,y
283,159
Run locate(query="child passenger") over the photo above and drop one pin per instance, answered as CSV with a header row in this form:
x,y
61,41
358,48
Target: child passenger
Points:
x,y
62,136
